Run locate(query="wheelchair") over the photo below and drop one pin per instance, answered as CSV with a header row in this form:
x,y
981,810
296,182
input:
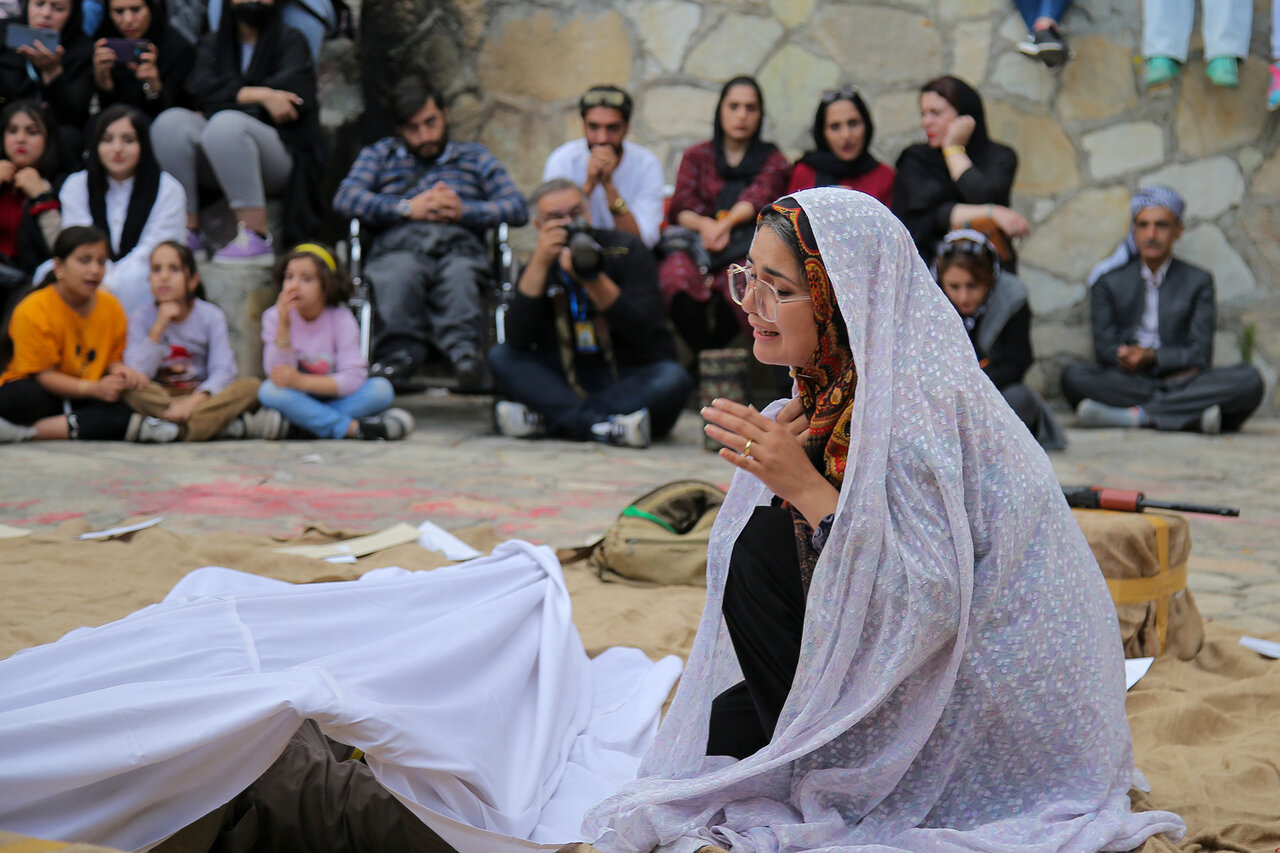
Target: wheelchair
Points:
x,y
496,295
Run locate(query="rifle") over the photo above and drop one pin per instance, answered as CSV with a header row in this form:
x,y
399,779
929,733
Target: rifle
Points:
x,y
1127,500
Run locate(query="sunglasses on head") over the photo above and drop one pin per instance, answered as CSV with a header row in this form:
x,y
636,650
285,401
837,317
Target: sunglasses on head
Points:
x,y
967,241
603,98
844,93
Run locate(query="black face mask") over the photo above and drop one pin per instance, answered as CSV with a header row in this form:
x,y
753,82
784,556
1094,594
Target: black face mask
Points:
x,y
253,13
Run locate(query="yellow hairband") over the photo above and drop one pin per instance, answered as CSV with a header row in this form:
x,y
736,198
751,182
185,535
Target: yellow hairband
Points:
x,y
320,252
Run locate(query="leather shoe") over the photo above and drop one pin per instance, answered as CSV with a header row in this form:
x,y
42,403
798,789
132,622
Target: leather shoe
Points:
x,y
468,370
397,368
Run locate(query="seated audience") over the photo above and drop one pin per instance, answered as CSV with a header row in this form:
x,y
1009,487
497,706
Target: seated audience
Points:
x,y
426,200
623,180
588,354
65,375
1166,31
1153,322
315,19
253,129
317,378
993,305
721,186
959,177
1044,39
180,342
60,77
841,155
152,79
30,215
124,195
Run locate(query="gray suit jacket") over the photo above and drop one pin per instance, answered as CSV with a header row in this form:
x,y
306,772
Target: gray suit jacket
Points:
x,y
1187,316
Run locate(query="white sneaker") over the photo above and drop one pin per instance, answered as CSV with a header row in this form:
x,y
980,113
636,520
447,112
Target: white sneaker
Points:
x,y
631,430
267,424
150,430
11,432
1211,420
516,420
391,425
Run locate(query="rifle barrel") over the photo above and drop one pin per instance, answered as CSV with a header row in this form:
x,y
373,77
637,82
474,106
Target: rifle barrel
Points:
x,y
1202,509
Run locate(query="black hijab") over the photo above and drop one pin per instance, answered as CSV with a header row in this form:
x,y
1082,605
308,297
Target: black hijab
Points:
x,y
264,51
176,52
738,178
146,179
967,102
827,167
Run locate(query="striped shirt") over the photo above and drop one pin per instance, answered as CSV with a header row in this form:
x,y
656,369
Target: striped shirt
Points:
x,y
386,172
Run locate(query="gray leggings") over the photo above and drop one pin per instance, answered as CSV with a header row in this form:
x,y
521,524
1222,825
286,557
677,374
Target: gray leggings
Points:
x,y
230,150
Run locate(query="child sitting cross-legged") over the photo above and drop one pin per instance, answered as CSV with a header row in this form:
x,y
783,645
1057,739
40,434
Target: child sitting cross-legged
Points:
x,y
180,341
317,376
65,375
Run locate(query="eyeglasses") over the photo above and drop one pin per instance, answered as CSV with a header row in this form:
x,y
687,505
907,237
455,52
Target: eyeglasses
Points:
x,y
743,279
844,93
603,98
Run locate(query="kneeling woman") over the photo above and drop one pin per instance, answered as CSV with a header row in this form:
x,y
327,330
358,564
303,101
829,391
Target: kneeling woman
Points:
x,y
993,305
907,643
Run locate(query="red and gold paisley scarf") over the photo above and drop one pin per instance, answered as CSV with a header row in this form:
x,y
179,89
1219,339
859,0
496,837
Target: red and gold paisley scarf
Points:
x,y
828,380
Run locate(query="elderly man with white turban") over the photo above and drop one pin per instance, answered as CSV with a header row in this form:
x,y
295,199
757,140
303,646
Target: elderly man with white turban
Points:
x,y
1153,323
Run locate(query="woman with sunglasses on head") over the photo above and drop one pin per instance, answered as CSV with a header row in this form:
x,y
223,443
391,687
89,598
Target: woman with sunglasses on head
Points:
x,y
30,216
993,305
841,155
906,644
721,186
959,177
151,78
124,195
59,75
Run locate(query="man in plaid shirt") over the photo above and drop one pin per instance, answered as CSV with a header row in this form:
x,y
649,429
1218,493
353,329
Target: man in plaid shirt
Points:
x,y
428,200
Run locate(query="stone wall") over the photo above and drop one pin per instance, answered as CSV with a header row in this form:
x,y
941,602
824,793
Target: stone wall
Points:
x,y
1086,136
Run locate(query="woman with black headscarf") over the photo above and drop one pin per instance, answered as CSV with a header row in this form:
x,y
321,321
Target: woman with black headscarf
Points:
x,y
841,155
256,132
721,186
152,77
124,195
60,76
959,176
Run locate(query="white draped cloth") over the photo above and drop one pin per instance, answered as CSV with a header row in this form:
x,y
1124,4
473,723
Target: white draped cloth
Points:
x,y
467,687
960,684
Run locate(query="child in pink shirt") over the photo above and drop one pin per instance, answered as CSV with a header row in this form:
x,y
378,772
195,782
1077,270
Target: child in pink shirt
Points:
x,y
317,377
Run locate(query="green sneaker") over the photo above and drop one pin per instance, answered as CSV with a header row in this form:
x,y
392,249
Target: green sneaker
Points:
x,y
1223,71
1161,69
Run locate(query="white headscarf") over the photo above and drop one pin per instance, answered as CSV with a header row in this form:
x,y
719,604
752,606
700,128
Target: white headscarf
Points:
x,y
960,684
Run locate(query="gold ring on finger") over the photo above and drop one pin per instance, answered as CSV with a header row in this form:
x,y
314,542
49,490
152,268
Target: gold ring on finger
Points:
x,y
746,450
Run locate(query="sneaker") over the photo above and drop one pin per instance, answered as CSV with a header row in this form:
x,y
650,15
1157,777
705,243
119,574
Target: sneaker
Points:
x,y
11,432
238,428
1273,90
1161,69
1095,414
150,430
1211,420
630,430
248,247
1050,47
391,425
1223,71
516,420
266,424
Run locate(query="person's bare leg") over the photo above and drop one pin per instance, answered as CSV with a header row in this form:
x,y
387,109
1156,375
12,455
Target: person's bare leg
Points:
x,y
52,428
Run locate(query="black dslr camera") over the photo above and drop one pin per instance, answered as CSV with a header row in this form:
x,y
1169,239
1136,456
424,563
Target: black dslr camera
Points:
x,y
585,254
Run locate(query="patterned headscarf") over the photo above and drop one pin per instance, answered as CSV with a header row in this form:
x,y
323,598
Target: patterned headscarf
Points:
x,y
828,380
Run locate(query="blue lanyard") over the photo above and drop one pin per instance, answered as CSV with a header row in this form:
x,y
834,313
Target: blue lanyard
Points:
x,y
578,306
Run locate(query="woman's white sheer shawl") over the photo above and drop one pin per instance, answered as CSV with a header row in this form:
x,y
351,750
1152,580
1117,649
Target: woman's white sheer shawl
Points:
x,y
960,685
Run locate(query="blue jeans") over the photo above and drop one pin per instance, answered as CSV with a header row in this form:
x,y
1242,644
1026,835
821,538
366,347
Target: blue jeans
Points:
x,y
537,380
327,417
1032,10
1225,25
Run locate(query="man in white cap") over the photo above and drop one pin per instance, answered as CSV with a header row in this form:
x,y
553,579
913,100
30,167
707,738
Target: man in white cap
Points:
x,y
1153,323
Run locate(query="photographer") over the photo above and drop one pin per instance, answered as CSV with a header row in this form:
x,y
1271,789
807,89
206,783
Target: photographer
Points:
x,y
156,59
588,354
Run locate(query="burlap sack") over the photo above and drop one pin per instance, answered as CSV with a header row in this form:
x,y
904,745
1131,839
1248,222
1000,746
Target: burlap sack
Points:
x,y
1143,556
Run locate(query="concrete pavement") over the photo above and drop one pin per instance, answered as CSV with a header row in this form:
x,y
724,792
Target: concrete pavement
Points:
x,y
457,472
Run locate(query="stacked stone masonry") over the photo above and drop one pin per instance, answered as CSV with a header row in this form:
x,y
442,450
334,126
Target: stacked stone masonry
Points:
x,y
1086,136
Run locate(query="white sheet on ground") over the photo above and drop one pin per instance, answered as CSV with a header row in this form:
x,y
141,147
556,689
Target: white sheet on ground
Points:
x,y
467,687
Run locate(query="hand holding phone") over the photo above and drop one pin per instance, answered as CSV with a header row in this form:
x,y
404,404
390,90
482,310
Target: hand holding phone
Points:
x,y
127,50
20,35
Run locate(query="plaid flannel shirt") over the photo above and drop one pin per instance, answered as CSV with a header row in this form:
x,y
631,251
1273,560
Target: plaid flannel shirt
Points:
x,y
386,172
